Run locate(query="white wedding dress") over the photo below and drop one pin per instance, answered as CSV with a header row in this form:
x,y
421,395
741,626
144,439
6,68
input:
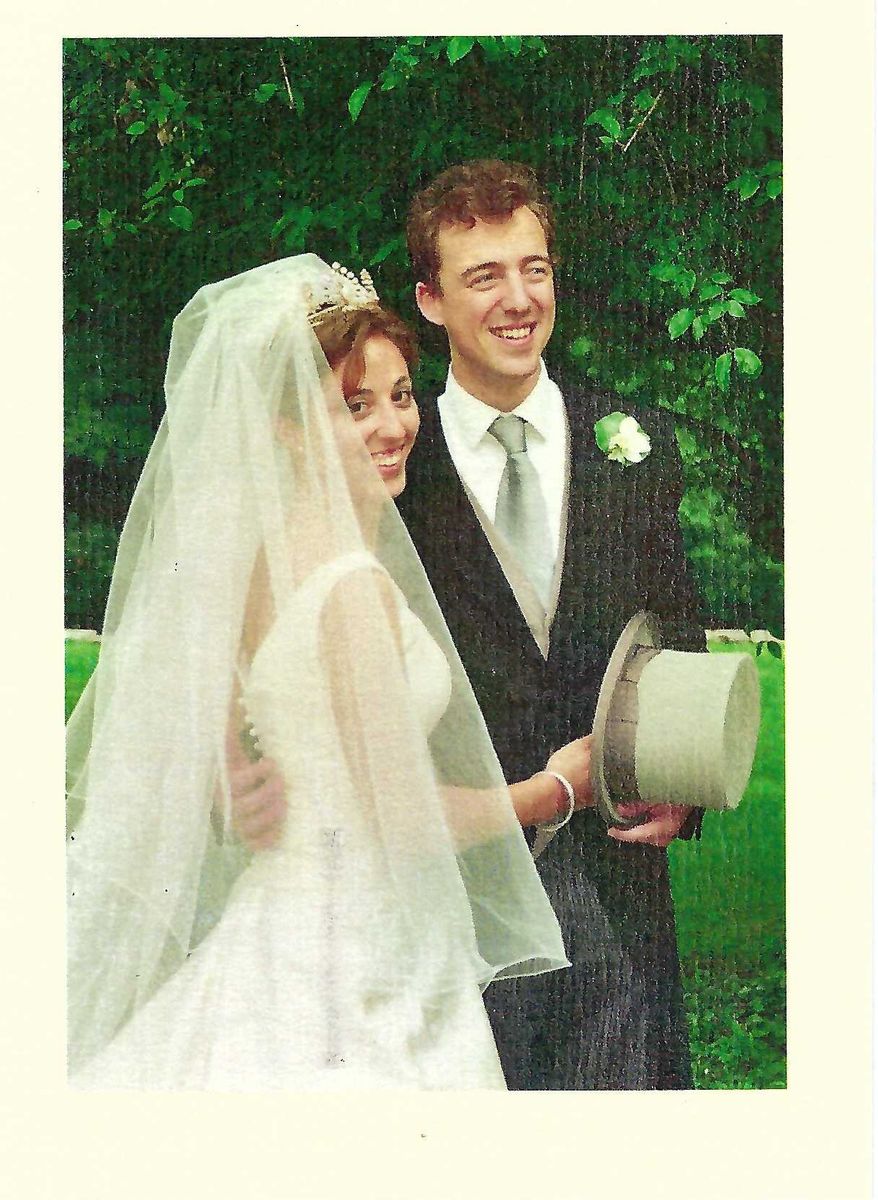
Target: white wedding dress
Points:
x,y
298,985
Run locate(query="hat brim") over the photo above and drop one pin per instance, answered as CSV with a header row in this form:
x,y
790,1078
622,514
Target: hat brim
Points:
x,y
617,705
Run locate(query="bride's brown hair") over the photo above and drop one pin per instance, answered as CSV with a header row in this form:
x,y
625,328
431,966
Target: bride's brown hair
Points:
x,y
343,335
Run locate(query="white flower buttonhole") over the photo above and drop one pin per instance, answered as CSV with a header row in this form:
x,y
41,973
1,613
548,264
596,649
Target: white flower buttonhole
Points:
x,y
621,439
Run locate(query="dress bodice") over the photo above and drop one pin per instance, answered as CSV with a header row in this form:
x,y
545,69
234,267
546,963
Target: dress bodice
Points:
x,y
286,694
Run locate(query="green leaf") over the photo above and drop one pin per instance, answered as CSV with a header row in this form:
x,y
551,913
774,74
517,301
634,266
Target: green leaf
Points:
x,y
512,44
775,167
708,291
492,48
581,346
723,370
154,189
181,217
644,70
105,218
607,428
698,329
773,649
606,120
178,194
195,122
748,187
721,277
644,100
357,99
773,188
681,321
265,91
72,224
666,272
735,309
714,313
743,296
167,93
459,47
386,250
749,363
129,227
685,282
136,128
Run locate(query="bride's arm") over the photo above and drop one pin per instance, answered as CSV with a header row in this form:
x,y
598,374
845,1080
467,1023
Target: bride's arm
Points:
x,y
535,800
350,658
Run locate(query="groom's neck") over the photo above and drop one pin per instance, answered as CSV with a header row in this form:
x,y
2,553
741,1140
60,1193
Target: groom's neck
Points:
x,y
503,392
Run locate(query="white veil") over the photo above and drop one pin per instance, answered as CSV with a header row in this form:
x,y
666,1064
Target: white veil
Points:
x,y
257,480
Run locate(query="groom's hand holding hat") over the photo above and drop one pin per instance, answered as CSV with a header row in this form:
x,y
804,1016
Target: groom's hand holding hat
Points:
x,y
663,824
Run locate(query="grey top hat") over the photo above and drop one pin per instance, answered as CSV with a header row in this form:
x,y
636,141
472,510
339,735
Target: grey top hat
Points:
x,y
672,727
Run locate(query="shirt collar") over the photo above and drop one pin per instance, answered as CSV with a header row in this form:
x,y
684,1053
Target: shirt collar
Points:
x,y
473,418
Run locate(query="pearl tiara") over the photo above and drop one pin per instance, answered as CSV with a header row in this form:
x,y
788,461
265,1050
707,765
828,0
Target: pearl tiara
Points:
x,y
342,291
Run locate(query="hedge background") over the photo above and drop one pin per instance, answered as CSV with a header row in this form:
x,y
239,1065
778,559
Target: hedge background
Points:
x,y
186,160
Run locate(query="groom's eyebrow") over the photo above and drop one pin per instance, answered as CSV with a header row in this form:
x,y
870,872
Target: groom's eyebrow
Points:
x,y
524,262
478,267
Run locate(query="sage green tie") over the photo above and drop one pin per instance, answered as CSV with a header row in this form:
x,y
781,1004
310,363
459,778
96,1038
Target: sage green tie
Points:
x,y
521,509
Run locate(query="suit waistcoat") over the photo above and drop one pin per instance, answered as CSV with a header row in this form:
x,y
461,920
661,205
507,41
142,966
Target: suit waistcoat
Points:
x,y
622,552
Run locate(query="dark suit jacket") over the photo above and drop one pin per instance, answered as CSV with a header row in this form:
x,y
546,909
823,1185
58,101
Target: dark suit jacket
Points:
x,y
615,1019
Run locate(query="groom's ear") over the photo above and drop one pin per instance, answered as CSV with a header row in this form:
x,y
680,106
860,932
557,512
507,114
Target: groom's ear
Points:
x,y
429,301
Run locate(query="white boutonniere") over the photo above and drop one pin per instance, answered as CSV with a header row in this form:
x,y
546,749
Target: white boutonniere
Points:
x,y
621,439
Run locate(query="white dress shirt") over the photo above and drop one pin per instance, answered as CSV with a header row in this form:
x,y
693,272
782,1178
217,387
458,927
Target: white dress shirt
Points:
x,y
479,458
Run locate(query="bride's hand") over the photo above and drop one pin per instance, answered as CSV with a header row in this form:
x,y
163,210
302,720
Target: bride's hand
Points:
x,y
573,761
258,797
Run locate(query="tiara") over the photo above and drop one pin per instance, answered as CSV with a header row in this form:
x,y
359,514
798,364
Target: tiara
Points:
x,y
342,291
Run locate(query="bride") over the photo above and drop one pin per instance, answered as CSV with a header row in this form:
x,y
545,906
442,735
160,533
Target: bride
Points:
x,y
267,602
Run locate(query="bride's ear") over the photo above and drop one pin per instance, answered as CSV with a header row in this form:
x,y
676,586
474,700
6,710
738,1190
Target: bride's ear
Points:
x,y
430,302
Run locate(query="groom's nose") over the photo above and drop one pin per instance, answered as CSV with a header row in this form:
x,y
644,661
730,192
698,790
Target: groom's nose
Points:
x,y
515,294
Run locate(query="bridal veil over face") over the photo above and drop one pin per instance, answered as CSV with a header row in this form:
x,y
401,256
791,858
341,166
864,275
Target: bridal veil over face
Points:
x,y
256,480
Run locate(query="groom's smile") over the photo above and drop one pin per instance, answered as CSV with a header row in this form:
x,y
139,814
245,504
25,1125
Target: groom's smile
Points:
x,y
496,300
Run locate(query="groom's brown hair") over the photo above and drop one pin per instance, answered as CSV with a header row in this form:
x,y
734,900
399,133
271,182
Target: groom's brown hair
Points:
x,y
486,188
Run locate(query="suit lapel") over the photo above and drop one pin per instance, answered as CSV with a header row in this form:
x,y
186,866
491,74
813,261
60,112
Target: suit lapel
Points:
x,y
595,522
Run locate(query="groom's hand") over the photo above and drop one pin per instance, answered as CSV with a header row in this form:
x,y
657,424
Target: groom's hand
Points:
x,y
258,797
663,824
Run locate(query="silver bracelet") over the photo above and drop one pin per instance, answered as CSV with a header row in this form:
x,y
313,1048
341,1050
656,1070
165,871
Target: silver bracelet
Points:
x,y
554,826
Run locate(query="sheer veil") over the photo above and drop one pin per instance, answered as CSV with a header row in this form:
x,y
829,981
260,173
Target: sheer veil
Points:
x,y
257,484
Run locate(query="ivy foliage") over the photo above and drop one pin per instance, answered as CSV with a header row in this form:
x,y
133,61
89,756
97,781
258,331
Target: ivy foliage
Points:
x,y
187,160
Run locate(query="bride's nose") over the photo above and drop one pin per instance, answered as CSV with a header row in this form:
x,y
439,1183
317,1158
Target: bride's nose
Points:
x,y
391,426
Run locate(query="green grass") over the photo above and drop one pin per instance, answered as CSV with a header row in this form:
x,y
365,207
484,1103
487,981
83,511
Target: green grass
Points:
x,y
729,894
729,891
80,659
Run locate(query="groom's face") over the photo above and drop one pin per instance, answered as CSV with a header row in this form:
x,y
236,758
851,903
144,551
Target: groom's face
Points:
x,y
496,300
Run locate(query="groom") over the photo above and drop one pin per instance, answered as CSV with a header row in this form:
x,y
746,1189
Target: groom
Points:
x,y
539,549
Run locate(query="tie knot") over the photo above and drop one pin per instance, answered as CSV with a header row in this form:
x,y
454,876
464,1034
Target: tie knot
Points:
x,y
510,432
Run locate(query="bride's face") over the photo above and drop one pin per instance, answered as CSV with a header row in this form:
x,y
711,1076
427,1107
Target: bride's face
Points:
x,y
384,410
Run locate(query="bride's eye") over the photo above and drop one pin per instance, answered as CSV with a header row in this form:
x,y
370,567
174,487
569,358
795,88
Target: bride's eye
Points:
x,y
404,398
357,408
